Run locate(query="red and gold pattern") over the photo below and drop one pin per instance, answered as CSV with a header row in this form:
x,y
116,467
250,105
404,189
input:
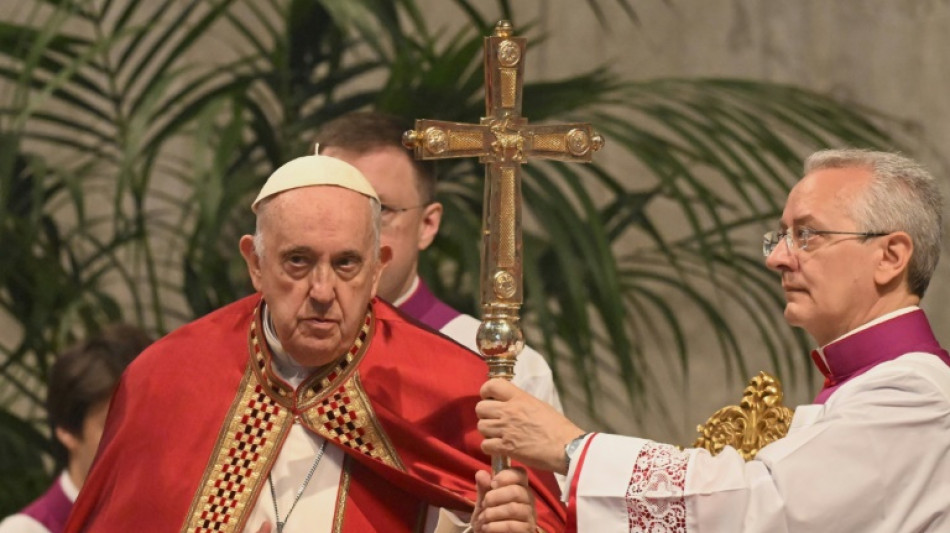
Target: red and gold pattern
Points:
x,y
346,416
243,454
332,403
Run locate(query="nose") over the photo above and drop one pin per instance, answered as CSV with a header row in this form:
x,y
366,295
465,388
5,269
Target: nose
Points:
x,y
781,257
321,286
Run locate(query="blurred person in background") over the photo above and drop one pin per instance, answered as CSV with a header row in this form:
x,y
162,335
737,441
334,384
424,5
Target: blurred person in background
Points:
x,y
81,382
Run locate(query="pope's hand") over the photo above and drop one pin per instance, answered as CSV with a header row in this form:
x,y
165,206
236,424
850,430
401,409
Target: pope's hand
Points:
x,y
504,503
518,425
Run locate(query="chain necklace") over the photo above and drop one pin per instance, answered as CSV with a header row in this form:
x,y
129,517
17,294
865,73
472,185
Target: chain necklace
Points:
x,y
306,481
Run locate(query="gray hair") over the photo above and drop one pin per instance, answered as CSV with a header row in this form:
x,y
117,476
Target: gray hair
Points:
x,y
375,214
902,196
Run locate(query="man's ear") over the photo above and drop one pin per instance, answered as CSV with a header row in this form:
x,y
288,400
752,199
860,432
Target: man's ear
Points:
x,y
431,219
385,255
896,250
252,260
67,439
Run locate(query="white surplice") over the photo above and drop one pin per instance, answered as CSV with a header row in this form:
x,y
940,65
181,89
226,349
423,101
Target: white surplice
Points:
x,y
875,458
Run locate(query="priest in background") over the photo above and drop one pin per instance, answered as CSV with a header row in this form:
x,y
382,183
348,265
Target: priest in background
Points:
x,y
856,248
80,384
311,406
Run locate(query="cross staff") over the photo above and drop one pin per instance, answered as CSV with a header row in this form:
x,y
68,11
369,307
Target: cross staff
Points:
x,y
502,141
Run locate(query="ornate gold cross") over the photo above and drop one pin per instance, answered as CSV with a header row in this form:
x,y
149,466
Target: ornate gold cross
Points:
x,y
502,141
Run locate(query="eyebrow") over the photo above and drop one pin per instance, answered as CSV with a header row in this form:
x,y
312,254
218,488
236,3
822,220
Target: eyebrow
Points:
x,y
295,250
350,254
800,221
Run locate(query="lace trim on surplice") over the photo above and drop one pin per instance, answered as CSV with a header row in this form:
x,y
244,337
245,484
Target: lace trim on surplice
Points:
x,y
655,497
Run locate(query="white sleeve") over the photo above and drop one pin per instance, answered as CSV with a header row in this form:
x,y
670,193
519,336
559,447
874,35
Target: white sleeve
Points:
x,y
875,460
21,523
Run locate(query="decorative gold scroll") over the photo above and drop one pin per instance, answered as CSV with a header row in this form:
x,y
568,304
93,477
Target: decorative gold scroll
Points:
x,y
758,420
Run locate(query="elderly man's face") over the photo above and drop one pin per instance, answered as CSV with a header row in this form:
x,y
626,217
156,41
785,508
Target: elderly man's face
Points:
x,y
318,271
829,287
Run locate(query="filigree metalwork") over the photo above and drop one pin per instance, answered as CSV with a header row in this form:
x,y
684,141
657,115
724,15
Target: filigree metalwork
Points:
x,y
508,54
502,141
578,142
505,284
758,420
436,140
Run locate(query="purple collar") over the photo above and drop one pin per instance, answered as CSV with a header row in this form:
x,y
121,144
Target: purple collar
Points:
x,y
52,508
857,353
426,308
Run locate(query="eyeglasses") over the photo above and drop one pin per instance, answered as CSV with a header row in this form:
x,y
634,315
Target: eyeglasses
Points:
x,y
387,212
798,238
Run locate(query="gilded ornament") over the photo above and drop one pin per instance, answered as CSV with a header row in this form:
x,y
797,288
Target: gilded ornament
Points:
x,y
758,420
504,284
436,141
502,140
504,29
578,142
500,340
508,53
508,144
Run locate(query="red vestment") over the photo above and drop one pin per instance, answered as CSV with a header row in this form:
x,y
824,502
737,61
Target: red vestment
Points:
x,y
198,419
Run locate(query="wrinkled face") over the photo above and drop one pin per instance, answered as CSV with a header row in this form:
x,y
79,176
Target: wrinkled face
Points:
x,y
829,287
319,269
405,231
82,448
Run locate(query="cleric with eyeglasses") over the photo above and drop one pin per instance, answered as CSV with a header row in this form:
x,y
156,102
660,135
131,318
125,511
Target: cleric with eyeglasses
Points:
x,y
858,243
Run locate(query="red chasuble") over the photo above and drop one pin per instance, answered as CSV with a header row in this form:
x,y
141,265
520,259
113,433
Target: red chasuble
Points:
x,y
199,418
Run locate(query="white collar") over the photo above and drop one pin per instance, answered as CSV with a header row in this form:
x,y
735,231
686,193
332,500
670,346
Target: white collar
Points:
x,y
409,293
69,488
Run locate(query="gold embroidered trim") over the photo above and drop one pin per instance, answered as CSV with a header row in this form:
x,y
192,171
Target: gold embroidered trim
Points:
x,y
318,386
232,480
257,422
334,404
342,495
324,382
384,442
346,416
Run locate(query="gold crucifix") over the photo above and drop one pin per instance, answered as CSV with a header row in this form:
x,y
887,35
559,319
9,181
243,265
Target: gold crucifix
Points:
x,y
502,141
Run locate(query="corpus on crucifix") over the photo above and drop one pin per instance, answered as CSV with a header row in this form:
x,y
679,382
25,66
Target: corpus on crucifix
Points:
x,y
503,141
